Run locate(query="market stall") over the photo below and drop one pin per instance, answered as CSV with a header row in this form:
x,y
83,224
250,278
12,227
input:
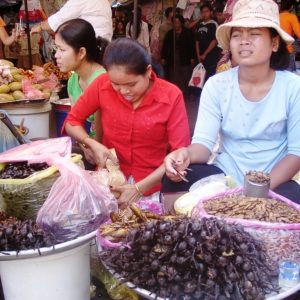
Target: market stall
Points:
x,y
214,242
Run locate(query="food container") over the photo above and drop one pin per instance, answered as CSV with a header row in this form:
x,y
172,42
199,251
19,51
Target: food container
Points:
x,y
256,189
61,272
289,274
281,240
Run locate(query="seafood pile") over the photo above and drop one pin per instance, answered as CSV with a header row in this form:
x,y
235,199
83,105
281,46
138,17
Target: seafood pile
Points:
x,y
258,177
125,220
193,259
16,235
21,170
251,208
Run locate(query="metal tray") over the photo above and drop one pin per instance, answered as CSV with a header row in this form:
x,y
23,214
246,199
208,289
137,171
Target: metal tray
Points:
x,y
151,296
23,101
23,254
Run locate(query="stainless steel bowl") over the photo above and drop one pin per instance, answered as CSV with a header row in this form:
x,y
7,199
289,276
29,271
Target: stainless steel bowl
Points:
x,y
257,190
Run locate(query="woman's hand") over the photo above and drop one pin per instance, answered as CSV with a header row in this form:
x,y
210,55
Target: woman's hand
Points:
x,y
129,194
98,153
176,162
88,154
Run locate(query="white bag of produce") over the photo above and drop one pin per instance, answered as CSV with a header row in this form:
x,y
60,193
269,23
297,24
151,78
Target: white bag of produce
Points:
x,y
198,76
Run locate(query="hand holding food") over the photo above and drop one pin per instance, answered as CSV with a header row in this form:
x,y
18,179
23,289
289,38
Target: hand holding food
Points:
x,y
176,163
128,194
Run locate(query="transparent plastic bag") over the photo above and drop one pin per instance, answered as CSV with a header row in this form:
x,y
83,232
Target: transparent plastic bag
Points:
x,y
76,204
24,197
198,76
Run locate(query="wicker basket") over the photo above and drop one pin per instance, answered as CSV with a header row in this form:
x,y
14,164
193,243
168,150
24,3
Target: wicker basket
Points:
x,y
23,198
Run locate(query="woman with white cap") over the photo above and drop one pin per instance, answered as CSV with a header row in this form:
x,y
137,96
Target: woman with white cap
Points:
x,y
255,107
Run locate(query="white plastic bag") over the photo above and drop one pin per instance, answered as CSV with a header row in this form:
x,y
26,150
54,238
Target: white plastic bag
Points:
x,y
198,76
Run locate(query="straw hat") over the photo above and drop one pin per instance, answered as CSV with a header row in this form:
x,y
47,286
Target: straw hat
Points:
x,y
252,14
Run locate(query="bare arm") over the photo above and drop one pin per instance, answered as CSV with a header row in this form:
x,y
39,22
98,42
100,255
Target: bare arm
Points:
x,y
183,157
210,47
198,153
98,152
5,38
131,193
284,170
40,27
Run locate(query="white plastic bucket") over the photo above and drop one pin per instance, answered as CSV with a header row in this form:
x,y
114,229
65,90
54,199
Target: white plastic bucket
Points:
x,y
36,118
62,273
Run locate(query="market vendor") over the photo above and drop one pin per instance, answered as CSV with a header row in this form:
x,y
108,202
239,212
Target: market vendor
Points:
x,y
97,12
80,51
255,107
143,118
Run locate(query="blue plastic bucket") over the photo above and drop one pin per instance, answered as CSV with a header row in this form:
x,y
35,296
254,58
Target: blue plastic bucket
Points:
x,y
61,113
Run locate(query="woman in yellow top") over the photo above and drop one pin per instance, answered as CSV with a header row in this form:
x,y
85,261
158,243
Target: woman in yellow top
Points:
x,y
4,37
290,24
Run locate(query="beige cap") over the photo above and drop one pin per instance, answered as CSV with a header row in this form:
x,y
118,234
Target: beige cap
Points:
x,y
252,14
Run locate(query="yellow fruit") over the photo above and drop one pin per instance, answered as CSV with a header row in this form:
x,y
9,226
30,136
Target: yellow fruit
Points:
x,y
46,94
4,88
6,62
18,95
37,86
14,71
15,86
6,97
18,77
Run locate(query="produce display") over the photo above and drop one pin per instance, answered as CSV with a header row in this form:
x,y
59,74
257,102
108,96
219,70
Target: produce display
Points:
x,y
262,209
20,84
16,235
258,177
21,170
50,68
125,220
193,259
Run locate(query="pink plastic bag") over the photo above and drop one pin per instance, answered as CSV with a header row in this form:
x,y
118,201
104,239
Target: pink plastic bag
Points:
x,y
39,151
282,241
76,204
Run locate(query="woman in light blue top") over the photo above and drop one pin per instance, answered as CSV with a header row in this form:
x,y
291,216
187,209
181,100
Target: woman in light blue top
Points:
x,y
255,107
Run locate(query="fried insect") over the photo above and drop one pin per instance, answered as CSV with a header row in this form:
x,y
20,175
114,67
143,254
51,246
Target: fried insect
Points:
x,y
194,259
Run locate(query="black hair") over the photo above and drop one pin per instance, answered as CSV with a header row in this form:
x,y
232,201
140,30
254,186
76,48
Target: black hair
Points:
x,y
206,5
127,53
180,18
79,33
168,11
280,59
287,4
219,9
139,23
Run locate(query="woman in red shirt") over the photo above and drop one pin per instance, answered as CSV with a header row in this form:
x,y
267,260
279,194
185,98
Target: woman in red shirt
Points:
x,y
143,117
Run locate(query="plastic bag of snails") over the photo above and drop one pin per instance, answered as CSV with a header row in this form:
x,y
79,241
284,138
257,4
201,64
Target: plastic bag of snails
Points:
x,y
274,220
